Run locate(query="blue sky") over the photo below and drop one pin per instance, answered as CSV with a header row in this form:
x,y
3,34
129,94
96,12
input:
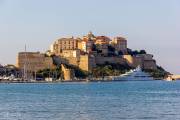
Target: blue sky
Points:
x,y
152,25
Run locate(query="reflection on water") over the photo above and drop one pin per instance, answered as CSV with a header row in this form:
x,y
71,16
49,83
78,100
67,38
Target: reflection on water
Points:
x,y
91,101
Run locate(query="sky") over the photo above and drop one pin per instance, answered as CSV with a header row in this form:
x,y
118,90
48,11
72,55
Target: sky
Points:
x,y
153,25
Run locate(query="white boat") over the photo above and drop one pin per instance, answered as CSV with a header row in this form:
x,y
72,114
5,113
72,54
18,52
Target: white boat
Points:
x,y
135,75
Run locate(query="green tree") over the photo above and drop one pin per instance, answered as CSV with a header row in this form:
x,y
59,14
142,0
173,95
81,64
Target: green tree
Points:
x,y
142,52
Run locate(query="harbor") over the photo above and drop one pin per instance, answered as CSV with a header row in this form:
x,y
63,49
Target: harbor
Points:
x,y
131,75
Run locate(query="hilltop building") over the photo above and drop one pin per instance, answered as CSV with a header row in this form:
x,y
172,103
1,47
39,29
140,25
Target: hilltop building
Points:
x,y
102,40
91,50
120,44
64,44
86,45
85,53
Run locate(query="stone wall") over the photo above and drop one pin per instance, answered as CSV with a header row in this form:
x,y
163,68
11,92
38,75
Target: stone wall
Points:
x,y
87,62
115,60
149,64
146,61
68,73
33,61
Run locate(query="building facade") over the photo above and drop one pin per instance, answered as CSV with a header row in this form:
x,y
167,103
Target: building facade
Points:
x,y
64,44
102,40
120,44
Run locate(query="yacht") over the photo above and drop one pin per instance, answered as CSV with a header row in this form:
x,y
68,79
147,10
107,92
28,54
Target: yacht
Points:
x,y
135,75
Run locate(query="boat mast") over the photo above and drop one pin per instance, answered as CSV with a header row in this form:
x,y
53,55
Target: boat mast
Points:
x,y
25,64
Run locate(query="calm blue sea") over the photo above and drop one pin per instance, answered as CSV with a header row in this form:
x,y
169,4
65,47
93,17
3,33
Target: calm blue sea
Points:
x,y
134,100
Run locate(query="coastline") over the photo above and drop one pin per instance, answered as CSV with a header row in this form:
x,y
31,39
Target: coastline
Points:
x,y
71,81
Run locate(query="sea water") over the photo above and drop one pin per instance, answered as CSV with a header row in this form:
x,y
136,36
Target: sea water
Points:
x,y
135,100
